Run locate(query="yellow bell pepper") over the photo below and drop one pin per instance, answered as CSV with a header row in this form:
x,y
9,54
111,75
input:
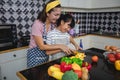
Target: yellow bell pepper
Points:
x,y
117,65
57,75
75,66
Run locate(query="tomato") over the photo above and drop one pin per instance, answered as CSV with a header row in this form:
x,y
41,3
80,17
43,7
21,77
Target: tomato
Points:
x,y
95,58
79,73
117,55
110,55
112,59
87,65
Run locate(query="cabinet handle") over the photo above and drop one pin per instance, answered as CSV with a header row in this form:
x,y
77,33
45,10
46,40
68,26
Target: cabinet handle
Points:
x,y
14,55
4,78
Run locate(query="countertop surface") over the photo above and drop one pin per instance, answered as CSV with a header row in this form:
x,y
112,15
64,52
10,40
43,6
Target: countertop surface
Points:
x,y
112,35
102,70
15,49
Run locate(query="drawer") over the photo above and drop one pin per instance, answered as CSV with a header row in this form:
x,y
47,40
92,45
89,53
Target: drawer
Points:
x,y
9,56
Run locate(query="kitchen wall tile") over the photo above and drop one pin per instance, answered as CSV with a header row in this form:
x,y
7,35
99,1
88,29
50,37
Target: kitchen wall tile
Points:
x,y
24,12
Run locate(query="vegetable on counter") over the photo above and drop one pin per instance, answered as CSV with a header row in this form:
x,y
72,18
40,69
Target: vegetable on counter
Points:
x,y
68,69
65,67
77,60
55,72
84,73
87,65
75,66
117,65
70,75
67,60
73,59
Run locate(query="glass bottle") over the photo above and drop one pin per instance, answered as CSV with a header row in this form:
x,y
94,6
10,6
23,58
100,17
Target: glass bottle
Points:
x,y
81,44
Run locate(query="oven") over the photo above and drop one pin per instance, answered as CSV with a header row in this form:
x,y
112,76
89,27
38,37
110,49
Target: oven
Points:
x,y
8,36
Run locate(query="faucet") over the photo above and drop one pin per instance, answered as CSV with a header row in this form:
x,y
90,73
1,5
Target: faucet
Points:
x,y
117,27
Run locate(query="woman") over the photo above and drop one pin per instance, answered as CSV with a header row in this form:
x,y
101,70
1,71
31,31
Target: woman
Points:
x,y
60,35
45,22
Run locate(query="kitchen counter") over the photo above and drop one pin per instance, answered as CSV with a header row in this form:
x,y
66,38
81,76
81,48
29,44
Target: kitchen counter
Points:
x,y
15,49
105,34
110,35
83,35
101,70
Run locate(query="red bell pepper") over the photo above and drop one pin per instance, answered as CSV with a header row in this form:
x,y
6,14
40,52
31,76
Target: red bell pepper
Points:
x,y
87,65
65,67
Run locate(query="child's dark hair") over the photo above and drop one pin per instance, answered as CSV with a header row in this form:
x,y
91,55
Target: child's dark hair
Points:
x,y
66,18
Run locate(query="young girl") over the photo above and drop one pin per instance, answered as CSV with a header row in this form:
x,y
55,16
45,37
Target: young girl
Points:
x,y
60,34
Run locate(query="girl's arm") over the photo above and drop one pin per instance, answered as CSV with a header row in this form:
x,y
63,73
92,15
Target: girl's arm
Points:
x,y
75,44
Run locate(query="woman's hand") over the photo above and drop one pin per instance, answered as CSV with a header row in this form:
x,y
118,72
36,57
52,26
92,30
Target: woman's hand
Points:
x,y
65,49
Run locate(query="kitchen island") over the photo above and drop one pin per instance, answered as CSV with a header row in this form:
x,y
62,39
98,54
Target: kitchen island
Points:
x,y
102,70
14,60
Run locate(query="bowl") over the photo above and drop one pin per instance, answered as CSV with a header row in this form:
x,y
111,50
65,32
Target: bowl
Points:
x,y
105,54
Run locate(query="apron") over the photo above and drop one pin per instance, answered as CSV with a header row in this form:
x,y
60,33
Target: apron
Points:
x,y
35,56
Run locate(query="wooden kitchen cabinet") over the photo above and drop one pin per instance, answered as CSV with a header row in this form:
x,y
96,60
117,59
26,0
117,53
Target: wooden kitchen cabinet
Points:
x,y
11,62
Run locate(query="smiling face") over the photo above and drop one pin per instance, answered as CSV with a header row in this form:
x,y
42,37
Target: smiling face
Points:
x,y
65,26
65,23
54,15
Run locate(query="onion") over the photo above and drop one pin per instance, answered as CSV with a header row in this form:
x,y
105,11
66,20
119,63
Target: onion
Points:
x,y
113,48
107,47
118,50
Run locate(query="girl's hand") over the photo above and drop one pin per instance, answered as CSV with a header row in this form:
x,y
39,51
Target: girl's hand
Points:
x,y
78,48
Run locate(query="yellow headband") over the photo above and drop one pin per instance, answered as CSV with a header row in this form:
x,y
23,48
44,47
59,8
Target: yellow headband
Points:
x,y
52,5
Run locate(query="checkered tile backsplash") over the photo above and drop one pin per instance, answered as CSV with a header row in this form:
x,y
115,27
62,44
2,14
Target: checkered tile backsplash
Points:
x,y
20,12
24,12
96,21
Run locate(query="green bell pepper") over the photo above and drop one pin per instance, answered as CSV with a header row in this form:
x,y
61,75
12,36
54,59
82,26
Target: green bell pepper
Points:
x,y
67,60
77,60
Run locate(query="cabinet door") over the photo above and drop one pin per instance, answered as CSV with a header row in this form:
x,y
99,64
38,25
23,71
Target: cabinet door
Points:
x,y
9,69
64,3
11,62
79,3
105,3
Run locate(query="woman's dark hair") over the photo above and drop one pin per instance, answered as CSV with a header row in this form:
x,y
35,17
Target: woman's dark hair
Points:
x,y
43,15
66,18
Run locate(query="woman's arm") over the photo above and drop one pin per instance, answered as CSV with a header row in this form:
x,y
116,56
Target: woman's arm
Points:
x,y
49,52
56,47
